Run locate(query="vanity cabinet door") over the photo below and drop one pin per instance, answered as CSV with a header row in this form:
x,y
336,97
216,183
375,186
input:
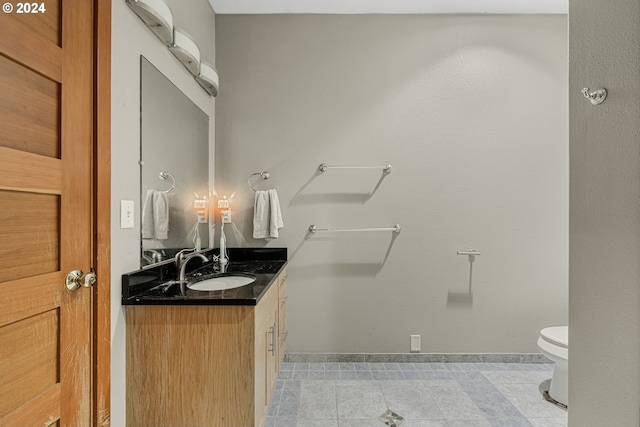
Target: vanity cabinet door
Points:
x,y
282,317
261,402
266,369
273,367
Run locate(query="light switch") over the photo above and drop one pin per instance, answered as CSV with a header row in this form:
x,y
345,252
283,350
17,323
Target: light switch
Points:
x,y
126,213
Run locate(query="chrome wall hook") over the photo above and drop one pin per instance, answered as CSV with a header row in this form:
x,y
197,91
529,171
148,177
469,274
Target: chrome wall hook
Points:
x,y
596,97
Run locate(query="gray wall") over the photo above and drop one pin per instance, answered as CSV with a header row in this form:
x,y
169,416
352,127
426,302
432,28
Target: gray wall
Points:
x,y
130,39
471,111
604,315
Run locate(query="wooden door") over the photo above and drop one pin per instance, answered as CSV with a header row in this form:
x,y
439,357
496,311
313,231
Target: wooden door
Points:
x,y
46,139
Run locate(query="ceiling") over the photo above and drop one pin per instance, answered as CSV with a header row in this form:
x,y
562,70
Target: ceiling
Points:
x,y
390,6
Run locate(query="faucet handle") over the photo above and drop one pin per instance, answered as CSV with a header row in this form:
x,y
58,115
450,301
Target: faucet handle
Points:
x,y
180,256
182,252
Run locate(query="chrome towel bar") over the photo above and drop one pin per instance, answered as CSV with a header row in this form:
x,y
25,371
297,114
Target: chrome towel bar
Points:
x,y
315,229
323,167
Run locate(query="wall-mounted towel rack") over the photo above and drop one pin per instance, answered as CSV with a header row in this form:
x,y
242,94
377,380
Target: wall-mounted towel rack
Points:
x,y
315,229
323,167
163,176
264,175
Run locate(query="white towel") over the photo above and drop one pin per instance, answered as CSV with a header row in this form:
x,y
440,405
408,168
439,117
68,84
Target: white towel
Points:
x,y
275,217
155,215
267,216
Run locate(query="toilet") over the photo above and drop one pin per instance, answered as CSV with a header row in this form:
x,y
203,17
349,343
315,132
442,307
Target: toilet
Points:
x,y
554,345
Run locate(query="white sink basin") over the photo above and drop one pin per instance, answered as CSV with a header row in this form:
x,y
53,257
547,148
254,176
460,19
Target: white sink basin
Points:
x,y
222,282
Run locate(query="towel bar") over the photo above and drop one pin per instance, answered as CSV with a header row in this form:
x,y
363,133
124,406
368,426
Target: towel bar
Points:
x,y
315,229
323,167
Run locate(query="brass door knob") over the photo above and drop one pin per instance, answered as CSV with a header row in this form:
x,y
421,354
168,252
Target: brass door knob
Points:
x,y
76,279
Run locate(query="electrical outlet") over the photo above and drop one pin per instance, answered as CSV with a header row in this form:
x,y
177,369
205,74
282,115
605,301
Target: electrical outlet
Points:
x,y
226,216
201,207
415,344
202,217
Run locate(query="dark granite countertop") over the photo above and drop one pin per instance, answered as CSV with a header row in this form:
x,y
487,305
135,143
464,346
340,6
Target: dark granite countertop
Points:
x,y
156,285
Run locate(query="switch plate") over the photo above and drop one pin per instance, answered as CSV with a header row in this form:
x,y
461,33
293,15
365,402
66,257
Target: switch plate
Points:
x,y
415,344
126,213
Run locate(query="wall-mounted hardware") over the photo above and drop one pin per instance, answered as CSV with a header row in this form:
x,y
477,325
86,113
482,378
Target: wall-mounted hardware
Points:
x,y
415,343
201,207
166,175
596,97
324,167
264,175
208,79
225,210
226,216
223,203
186,50
471,253
158,17
126,213
466,299
315,229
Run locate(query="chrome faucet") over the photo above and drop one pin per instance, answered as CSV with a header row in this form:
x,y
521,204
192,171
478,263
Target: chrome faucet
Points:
x,y
185,260
180,256
151,256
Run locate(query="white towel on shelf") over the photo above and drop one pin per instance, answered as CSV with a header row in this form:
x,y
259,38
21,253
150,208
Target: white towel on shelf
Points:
x,y
155,215
267,216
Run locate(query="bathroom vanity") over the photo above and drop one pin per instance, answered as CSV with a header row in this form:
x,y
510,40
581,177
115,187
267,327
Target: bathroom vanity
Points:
x,y
205,358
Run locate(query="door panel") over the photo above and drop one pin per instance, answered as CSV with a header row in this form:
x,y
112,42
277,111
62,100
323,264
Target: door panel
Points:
x,y
46,24
46,143
29,110
34,215
25,46
28,359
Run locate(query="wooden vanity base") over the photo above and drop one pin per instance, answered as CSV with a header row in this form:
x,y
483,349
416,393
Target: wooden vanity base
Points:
x,y
202,365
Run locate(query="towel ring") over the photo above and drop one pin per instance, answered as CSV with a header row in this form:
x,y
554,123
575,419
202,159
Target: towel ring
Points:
x,y
163,176
264,175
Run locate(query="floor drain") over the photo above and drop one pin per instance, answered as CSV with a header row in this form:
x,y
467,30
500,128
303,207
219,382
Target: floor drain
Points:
x,y
390,418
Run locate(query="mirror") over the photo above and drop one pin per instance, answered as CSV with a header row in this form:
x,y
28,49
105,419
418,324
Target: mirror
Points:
x,y
174,168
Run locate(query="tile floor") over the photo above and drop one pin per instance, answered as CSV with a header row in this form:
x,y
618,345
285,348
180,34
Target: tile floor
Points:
x,y
424,394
